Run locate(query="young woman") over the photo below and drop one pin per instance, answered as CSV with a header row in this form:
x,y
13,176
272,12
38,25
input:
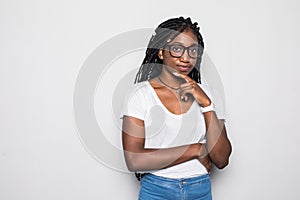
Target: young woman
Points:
x,y
171,131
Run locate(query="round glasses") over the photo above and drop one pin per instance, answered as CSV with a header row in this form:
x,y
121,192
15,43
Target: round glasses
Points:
x,y
177,50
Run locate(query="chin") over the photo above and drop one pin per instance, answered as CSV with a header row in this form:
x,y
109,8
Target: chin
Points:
x,y
184,72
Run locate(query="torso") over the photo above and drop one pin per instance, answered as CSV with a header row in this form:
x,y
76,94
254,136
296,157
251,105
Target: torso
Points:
x,y
167,125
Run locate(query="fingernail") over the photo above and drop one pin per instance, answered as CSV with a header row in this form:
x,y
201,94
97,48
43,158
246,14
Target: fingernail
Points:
x,y
175,73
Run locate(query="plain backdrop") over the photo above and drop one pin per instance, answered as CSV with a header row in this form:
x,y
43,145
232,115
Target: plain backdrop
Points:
x,y
43,44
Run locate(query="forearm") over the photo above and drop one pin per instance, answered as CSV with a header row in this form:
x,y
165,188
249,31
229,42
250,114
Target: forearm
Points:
x,y
218,144
139,158
154,159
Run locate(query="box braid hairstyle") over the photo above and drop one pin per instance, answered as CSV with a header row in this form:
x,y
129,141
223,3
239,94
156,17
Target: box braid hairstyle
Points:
x,y
164,34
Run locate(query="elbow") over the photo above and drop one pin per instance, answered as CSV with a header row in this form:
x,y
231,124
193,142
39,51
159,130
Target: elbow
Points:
x,y
221,160
132,167
221,164
133,163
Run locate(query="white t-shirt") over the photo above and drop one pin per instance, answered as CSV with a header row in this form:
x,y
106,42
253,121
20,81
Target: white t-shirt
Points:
x,y
164,129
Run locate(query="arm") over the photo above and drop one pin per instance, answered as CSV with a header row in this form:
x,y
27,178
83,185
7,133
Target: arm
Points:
x,y
218,144
140,159
205,160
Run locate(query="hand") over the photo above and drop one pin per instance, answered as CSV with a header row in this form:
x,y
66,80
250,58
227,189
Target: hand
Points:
x,y
206,162
191,87
204,158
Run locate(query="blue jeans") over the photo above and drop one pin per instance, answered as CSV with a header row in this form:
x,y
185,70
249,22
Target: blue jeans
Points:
x,y
159,188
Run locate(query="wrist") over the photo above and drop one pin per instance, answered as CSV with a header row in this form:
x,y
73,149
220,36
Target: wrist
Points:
x,y
204,102
197,150
203,151
208,108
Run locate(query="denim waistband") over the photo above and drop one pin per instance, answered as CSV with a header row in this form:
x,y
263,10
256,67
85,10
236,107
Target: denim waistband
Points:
x,y
192,180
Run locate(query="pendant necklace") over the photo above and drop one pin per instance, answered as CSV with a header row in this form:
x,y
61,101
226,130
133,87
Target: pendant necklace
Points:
x,y
173,88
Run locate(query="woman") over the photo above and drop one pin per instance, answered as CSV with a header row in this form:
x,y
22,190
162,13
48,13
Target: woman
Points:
x,y
171,132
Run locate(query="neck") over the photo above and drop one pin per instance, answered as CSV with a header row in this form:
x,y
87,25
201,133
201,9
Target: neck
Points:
x,y
170,79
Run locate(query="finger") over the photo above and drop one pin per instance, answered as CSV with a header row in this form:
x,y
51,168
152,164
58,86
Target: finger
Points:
x,y
186,91
186,87
184,98
209,167
184,94
191,84
206,163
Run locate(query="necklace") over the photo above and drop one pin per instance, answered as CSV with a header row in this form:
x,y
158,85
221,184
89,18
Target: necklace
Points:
x,y
173,88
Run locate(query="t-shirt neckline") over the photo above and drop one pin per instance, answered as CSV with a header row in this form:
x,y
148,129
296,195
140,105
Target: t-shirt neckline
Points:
x,y
163,106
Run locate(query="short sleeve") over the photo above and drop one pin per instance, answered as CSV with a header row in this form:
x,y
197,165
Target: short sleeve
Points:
x,y
218,100
134,103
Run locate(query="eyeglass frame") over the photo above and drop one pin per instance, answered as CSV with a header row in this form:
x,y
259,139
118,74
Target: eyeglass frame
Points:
x,y
184,49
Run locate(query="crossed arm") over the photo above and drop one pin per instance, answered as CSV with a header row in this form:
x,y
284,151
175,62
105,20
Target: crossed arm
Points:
x,y
138,158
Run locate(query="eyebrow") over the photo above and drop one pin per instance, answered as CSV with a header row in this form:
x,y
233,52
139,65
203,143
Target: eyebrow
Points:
x,y
183,45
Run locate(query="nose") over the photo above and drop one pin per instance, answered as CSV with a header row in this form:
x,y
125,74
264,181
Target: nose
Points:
x,y
185,57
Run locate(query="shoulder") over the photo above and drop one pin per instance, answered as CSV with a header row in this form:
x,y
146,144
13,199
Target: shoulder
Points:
x,y
135,101
138,90
142,87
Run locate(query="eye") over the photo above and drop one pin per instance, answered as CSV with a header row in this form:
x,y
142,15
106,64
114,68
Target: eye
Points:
x,y
193,49
176,48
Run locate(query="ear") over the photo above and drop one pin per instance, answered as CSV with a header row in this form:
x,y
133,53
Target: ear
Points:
x,y
160,54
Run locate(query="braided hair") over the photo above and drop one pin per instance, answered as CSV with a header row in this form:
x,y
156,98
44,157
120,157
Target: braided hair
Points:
x,y
165,33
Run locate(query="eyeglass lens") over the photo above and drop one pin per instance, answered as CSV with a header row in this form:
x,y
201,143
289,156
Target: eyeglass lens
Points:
x,y
177,50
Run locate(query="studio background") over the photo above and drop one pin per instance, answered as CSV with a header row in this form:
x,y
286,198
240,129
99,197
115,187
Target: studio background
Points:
x,y
254,45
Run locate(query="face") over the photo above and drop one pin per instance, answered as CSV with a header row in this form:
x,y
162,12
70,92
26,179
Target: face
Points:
x,y
185,63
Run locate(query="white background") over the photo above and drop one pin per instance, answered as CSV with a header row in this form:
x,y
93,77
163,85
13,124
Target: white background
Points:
x,y
254,45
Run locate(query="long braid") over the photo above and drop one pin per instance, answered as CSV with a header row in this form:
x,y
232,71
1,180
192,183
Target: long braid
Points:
x,y
165,33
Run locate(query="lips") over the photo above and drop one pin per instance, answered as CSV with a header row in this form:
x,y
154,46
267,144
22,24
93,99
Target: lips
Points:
x,y
183,68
